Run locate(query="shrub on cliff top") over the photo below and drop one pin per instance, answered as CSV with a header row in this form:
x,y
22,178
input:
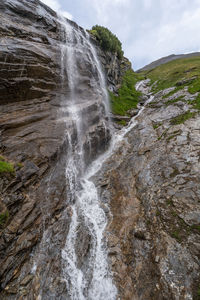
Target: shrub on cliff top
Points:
x,y
108,41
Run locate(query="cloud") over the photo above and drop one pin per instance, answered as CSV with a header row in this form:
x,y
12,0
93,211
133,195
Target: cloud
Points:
x,y
175,34
148,29
55,5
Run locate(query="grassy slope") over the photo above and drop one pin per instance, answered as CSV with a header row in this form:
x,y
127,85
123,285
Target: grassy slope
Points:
x,y
170,74
127,95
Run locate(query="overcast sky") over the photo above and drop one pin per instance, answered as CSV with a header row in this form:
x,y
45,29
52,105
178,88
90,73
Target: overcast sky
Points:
x,y
148,29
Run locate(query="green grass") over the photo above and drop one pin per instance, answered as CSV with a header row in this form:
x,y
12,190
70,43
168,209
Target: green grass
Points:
x,y
196,227
197,102
170,202
20,165
174,100
4,217
176,235
194,86
127,97
169,74
122,122
198,292
156,125
171,93
182,118
163,134
175,134
6,167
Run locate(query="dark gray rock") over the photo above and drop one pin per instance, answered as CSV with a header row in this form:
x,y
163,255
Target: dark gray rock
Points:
x,y
153,191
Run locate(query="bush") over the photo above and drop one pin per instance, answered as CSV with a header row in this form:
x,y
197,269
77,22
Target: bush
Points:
x,y
108,41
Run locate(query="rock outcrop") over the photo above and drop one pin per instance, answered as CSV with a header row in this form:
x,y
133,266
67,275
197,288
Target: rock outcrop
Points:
x,y
152,185
34,125
151,181
113,67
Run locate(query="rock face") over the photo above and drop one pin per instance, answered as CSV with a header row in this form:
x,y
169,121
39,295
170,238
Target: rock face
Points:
x,y
35,93
152,185
113,67
151,180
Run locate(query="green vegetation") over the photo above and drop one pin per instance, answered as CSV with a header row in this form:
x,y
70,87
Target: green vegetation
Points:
x,y
163,134
197,102
158,213
108,41
122,122
194,86
171,93
182,118
6,167
198,292
176,235
174,134
174,100
19,165
127,97
175,172
178,73
156,125
172,73
196,227
4,217
170,202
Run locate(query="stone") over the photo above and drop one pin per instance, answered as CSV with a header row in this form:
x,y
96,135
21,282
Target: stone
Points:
x,y
34,95
154,182
149,185
133,112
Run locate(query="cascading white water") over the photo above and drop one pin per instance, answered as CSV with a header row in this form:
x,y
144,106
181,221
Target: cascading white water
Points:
x,y
92,280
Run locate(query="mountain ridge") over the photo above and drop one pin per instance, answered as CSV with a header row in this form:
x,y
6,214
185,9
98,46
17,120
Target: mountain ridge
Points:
x,y
166,59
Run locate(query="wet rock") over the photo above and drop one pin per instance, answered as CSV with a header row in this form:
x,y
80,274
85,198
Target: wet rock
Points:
x,y
120,118
114,68
133,112
34,97
154,199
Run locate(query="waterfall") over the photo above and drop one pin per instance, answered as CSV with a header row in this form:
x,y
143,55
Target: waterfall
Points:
x,y
84,257
86,277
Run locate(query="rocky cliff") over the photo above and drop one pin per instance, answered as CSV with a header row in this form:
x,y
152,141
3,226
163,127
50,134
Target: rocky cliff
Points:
x,y
150,180
114,68
152,185
34,96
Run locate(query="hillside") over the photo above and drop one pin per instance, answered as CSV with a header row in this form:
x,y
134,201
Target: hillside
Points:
x,y
167,59
152,183
181,74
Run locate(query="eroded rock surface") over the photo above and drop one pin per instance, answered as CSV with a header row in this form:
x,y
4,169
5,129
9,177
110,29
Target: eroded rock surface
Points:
x,y
34,125
151,182
152,185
